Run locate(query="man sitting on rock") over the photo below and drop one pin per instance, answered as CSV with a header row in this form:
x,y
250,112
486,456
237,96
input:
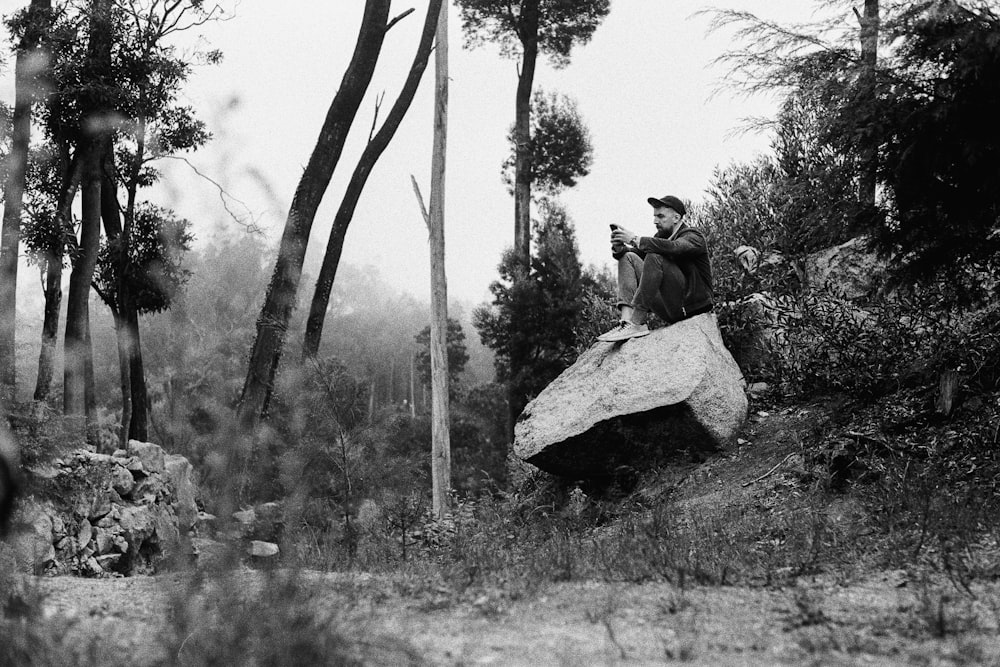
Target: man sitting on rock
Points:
x,y
668,273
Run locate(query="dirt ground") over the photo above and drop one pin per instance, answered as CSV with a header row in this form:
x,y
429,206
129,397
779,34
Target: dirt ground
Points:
x,y
581,623
886,618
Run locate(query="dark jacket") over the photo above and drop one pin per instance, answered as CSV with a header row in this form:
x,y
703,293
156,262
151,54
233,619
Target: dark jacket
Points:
x,y
689,251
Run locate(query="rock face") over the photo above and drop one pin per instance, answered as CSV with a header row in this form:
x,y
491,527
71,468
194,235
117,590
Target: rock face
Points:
x,y
636,403
102,514
849,270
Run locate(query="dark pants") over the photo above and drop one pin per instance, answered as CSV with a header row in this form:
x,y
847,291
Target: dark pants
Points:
x,y
654,284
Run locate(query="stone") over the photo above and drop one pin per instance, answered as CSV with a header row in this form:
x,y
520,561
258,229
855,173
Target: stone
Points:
x,y
180,476
636,404
849,270
261,549
33,547
151,455
85,533
122,480
150,489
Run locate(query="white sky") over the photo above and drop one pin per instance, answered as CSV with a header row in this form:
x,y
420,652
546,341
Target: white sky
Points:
x,y
644,85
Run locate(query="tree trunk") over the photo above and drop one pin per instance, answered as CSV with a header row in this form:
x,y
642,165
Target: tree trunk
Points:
x,y
52,275
345,213
25,74
71,174
279,301
111,215
76,348
413,385
522,134
869,63
440,422
78,397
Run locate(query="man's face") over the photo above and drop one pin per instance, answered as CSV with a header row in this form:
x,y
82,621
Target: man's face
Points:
x,y
665,218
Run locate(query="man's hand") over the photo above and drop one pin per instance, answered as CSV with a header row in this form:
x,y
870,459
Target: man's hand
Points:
x,y
624,236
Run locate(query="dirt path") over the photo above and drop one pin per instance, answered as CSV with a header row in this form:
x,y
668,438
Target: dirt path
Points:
x,y
885,621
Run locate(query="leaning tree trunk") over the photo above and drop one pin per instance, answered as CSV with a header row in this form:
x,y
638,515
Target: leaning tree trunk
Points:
x,y
345,213
522,136
25,75
440,422
279,301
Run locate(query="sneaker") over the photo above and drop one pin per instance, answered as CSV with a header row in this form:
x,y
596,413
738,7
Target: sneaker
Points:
x,y
624,331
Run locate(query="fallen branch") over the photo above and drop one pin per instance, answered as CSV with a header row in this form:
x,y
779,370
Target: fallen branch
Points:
x,y
778,465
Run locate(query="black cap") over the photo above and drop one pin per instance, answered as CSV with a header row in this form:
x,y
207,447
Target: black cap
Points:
x,y
669,201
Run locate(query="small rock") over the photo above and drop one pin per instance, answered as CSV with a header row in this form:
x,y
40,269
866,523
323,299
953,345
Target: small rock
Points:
x,y
246,518
85,533
151,455
758,388
259,549
122,480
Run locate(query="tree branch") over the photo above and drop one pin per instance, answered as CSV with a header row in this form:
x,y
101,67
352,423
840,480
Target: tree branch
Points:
x,y
399,18
420,200
224,197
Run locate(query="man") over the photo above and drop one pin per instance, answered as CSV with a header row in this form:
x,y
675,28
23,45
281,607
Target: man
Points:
x,y
668,273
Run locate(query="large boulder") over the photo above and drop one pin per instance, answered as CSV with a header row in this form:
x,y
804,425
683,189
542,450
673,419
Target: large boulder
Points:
x,y
638,403
850,270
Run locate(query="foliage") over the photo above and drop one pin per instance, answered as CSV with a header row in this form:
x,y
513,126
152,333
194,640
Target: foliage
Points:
x,y
562,24
532,324
560,147
457,354
940,157
153,266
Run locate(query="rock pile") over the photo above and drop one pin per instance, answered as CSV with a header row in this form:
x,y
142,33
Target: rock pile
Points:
x,y
96,514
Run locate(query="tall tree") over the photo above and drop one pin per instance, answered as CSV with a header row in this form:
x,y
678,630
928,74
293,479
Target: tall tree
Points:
x,y
373,150
150,125
533,321
440,393
95,110
281,292
524,29
29,70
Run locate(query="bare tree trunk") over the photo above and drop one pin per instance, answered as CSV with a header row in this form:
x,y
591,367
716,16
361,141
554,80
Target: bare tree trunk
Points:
x,y
279,301
440,418
26,71
522,135
413,385
440,421
373,151
869,63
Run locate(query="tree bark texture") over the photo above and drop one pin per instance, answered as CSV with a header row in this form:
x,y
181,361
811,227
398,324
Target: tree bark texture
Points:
x,y
280,298
869,64
528,26
373,151
26,68
440,422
